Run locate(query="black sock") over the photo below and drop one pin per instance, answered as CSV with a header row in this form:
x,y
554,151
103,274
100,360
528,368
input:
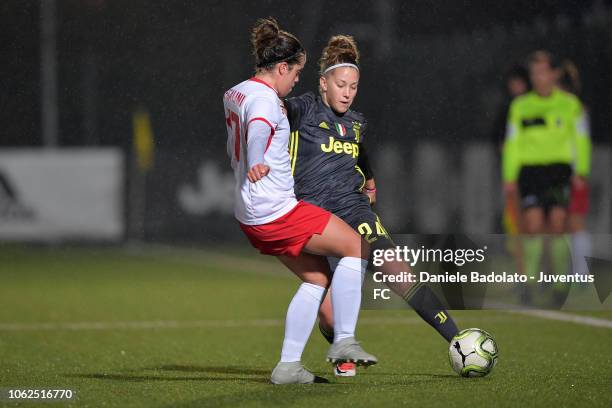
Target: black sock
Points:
x,y
427,305
329,335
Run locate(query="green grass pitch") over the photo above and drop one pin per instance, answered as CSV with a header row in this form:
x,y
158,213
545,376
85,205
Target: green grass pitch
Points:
x,y
155,327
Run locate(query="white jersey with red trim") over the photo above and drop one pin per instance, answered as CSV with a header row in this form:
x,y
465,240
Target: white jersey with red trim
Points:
x,y
272,196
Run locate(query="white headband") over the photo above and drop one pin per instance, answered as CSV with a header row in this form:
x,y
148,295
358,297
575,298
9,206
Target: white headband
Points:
x,y
344,64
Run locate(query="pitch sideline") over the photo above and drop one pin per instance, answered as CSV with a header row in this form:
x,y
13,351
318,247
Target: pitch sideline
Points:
x,y
368,321
565,317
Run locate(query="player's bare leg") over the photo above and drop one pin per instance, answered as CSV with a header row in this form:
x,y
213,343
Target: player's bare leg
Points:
x,y
557,219
309,268
338,240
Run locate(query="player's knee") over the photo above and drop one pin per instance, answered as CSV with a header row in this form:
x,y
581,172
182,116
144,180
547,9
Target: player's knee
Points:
x,y
557,228
322,281
354,247
557,223
533,229
317,278
533,225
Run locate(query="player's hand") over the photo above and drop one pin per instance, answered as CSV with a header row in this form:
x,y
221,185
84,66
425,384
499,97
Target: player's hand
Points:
x,y
369,189
578,182
510,189
257,172
371,195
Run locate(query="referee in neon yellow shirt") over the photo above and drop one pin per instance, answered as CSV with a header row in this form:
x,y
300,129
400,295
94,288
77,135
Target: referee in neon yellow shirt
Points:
x,y
547,147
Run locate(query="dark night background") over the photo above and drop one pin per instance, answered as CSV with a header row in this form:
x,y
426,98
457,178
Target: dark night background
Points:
x,y
436,64
431,71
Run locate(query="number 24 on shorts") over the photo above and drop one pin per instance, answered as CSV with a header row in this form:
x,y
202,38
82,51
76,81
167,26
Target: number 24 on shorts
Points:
x,y
366,231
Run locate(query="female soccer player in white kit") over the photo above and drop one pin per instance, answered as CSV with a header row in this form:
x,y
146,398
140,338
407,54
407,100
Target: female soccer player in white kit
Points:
x,y
299,234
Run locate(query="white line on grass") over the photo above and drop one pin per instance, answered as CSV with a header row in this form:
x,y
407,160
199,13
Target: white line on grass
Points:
x,y
566,317
188,324
175,324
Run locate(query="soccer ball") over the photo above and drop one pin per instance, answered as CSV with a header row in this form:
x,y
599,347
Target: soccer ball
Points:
x,y
472,353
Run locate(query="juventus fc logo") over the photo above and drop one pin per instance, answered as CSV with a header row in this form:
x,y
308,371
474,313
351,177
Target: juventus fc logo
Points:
x,y
442,316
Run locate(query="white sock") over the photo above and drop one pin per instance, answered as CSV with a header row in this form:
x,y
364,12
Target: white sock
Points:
x,y
346,295
333,264
581,247
301,316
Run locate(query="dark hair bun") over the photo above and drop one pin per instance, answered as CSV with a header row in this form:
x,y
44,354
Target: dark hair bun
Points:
x,y
265,33
271,44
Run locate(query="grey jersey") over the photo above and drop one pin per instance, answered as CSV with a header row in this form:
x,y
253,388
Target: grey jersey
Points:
x,y
325,149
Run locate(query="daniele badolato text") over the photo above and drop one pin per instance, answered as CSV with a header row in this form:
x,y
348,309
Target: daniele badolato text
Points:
x,y
459,257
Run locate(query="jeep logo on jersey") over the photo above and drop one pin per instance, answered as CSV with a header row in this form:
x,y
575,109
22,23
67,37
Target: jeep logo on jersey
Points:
x,y
341,147
340,129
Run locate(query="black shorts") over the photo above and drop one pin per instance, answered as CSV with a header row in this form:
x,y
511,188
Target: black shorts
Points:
x,y
545,186
367,223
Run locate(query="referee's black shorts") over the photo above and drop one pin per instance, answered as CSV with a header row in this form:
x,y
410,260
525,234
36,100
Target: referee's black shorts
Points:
x,y
545,186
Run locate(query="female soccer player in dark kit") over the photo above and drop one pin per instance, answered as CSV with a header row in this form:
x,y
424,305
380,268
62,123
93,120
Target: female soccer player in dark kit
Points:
x,y
331,169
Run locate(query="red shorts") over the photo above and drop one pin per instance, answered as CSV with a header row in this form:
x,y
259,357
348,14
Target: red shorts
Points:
x,y
288,234
579,201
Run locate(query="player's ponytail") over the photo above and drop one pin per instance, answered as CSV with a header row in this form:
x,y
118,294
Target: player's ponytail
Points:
x,y
341,49
272,45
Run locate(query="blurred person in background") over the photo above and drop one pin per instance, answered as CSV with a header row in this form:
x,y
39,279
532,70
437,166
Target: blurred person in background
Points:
x,y
546,151
569,81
